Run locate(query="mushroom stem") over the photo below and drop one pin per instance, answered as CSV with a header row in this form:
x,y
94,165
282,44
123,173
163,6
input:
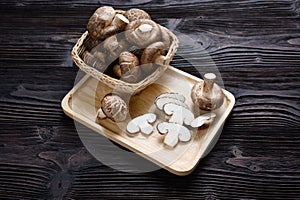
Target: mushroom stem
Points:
x,y
209,80
144,28
206,94
118,24
101,114
120,21
160,60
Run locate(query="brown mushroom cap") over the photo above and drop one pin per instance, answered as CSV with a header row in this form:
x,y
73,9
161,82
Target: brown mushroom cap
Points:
x,y
135,13
128,69
165,38
150,54
114,107
132,76
101,18
117,70
127,61
206,94
142,32
152,51
117,25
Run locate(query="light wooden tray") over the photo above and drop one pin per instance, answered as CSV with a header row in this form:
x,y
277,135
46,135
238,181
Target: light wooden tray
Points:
x,y
83,101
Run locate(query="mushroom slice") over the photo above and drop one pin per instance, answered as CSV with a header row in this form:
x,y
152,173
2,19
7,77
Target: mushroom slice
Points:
x,y
174,133
203,119
179,114
180,97
160,102
141,124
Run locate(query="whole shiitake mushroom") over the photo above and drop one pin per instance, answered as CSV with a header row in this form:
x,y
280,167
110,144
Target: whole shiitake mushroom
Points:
x,y
101,18
142,32
206,94
113,107
128,68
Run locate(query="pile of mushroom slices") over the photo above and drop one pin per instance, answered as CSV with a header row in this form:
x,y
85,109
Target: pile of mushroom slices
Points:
x,y
179,120
128,42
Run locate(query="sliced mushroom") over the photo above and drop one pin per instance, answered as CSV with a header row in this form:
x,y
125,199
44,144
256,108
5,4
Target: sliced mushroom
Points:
x,y
179,114
101,18
141,124
203,119
142,32
135,14
174,133
207,95
161,102
113,107
177,96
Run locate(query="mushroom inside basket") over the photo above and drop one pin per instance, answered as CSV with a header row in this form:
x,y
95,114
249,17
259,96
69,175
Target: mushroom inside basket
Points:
x,y
126,48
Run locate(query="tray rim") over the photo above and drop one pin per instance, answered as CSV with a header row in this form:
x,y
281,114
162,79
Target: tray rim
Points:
x,y
212,138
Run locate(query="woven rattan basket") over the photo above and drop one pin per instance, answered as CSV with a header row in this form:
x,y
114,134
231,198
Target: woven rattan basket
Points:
x,y
116,84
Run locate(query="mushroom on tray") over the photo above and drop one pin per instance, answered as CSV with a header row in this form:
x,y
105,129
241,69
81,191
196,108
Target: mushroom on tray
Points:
x,y
113,107
207,95
174,133
141,124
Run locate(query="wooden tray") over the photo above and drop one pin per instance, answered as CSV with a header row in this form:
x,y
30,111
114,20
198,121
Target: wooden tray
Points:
x,y
83,101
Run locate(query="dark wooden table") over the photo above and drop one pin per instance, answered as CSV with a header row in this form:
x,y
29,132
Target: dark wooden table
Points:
x,y
256,47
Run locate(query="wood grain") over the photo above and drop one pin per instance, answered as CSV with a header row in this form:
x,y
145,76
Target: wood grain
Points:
x,y
254,44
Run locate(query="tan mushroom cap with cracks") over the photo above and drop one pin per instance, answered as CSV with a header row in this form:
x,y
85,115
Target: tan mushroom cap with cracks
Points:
x,y
142,32
101,18
113,107
135,14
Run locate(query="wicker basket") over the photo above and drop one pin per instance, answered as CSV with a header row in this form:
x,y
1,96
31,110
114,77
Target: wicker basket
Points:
x,y
116,84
